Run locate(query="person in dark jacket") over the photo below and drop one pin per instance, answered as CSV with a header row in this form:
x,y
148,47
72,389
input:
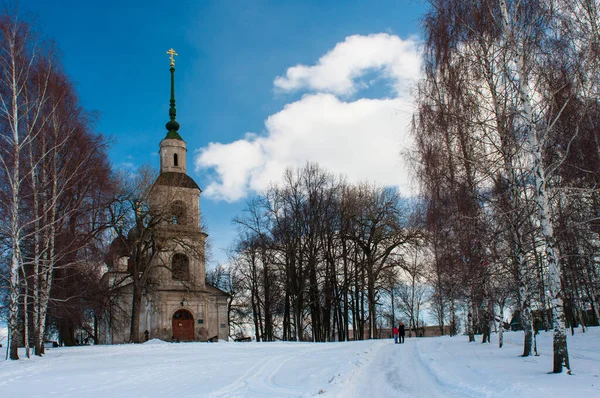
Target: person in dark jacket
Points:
x,y
395,329
401,332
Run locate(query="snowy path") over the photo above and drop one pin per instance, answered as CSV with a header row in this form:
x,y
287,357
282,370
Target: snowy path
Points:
x,y
378,368
397,370
430,367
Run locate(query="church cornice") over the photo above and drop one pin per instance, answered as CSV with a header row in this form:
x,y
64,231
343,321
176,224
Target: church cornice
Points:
x,y
180,180
209,290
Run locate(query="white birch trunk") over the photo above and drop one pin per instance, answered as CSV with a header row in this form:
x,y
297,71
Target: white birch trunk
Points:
x,y
15,185
48,266
517,247
561,356
26,330
36,246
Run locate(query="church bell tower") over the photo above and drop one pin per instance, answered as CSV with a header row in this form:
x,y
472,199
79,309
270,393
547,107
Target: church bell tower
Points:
x,y
181,306
175,193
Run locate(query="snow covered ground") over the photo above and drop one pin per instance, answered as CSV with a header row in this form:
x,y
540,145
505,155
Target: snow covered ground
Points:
x,y
428,367
3,334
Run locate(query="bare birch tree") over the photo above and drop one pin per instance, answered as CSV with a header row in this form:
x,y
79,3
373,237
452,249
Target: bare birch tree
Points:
x,y
522,67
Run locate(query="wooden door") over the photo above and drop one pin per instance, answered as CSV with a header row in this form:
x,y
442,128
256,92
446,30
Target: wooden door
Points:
x,y
183,326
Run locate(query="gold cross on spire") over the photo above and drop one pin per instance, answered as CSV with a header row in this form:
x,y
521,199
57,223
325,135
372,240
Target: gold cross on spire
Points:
x,y
172,53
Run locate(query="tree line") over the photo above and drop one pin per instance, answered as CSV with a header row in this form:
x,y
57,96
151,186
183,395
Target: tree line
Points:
x,y
508,158
54,181
316,256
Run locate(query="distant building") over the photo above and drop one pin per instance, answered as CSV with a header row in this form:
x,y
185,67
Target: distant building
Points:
x,y
424,331
181,306
428,331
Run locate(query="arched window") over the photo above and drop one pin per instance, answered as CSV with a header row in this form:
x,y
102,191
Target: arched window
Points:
x,y
178,213
180,267
175,162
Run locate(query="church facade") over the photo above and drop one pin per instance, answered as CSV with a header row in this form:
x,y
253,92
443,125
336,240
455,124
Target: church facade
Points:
x,y
180,305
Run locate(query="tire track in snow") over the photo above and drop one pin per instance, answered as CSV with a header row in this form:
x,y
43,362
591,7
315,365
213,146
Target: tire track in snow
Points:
x,y
258,380
261,378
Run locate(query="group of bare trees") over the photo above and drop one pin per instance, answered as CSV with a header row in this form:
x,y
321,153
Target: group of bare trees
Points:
x,y
508,157
65,217
54,181
315,256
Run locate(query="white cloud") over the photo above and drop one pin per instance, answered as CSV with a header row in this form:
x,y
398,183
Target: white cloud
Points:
x,y
360,138
126,166
233,163
337,71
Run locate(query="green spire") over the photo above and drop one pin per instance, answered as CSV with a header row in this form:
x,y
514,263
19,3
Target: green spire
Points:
x,y
172,125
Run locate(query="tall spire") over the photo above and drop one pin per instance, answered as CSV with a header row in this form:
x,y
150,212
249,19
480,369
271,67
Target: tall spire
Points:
x,y
172,125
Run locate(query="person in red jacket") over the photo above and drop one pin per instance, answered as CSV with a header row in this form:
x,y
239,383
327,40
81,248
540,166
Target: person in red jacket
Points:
x,y
395,335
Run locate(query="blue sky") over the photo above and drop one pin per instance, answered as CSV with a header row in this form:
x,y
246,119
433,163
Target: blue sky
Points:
x,y
260,85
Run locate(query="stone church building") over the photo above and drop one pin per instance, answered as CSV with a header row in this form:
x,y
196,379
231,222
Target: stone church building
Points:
x,y
180,306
